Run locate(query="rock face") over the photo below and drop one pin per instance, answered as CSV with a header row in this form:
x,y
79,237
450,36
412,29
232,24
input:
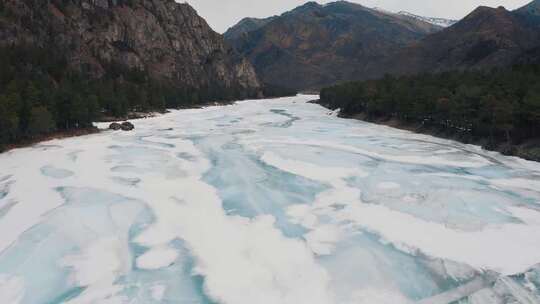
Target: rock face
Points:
x,y
316,45
165,39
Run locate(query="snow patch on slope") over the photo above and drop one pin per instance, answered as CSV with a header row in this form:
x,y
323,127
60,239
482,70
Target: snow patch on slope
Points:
x,y
433,20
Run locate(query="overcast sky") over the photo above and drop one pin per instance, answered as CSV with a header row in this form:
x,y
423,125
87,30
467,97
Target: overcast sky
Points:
x,y
221,14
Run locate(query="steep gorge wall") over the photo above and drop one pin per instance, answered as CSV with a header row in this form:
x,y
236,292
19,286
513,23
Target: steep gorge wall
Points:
x,y
165,39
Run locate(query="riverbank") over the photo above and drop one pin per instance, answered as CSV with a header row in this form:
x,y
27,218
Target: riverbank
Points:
x,y
92,130
132,116
529,149
46,137
104,119
77,132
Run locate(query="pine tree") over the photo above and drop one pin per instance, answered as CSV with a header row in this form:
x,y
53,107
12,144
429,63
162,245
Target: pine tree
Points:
x,y
92,103
78,112
9,121
40,122
32,94
531,105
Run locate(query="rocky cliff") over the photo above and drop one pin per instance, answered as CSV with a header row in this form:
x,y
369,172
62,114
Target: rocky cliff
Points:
x,y
166,40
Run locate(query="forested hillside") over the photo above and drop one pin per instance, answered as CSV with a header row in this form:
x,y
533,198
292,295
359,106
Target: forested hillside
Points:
x,y
64,62
499,109
40,94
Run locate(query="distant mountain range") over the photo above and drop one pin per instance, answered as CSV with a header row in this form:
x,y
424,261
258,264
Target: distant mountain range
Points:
x,y
315,45
487,37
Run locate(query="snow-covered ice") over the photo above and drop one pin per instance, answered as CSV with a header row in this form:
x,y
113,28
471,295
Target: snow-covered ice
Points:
x,y
269,201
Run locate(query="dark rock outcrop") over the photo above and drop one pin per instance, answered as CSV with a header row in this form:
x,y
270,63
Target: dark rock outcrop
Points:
x,y
316,45
115,126
165,39
127,126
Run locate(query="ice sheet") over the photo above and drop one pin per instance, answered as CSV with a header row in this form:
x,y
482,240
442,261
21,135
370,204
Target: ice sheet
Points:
x,y
270,201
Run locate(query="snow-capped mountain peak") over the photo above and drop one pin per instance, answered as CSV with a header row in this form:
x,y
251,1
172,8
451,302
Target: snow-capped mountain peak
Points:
x,y
437,21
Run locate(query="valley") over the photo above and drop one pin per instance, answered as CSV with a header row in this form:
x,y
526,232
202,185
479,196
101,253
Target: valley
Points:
x,y
322,153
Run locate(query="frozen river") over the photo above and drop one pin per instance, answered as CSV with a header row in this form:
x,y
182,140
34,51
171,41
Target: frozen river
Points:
x,y
266,202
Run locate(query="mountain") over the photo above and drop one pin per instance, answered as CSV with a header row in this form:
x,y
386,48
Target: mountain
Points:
x,y
245,26
166,40
530,14
532,8
315,45
442,22
487,37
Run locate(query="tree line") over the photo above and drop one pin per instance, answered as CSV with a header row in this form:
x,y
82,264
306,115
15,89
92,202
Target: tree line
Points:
x,y
494,107
40,94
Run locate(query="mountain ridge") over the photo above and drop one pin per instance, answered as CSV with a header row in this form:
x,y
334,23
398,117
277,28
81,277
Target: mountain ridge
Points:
x,y
324,43
443,22
531,8
245,26
487,37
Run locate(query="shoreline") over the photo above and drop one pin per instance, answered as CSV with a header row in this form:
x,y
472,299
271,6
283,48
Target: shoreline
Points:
x,y
64,134
132,116
51,136
529,150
